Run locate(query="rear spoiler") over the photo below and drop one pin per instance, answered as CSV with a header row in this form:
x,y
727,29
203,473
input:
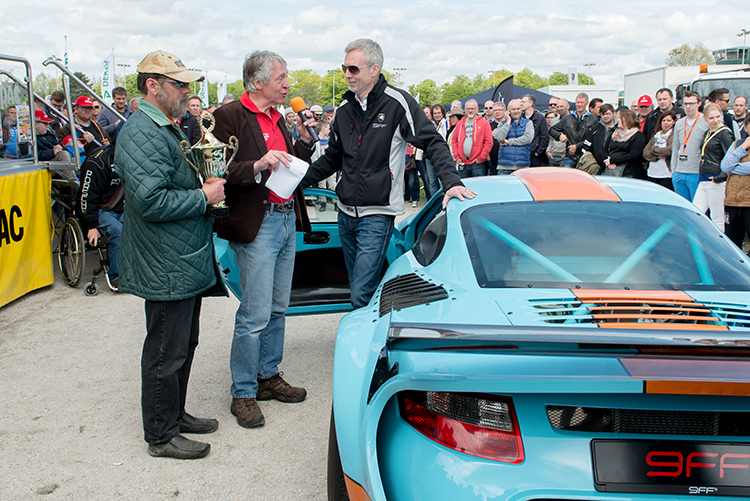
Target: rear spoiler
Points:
x,y
703,336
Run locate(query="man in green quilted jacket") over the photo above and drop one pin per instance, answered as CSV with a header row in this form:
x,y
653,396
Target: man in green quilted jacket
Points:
x,y
167,254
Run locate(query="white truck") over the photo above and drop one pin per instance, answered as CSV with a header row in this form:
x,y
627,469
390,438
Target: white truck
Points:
x,y
701,79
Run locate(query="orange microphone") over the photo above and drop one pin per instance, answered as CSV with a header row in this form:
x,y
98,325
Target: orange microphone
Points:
x,y
299,107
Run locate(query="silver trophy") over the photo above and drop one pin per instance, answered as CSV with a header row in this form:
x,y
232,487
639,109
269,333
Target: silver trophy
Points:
x,y
210,155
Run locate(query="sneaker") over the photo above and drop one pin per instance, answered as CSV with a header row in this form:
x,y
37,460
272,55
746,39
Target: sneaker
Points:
x,y
179,447
248,413
276,387
415,204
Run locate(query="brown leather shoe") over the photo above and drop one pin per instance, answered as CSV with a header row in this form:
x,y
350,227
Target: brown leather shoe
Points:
x,y
276,387
248,413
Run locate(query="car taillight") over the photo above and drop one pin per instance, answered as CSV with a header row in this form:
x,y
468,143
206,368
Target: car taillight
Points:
x,y
481,425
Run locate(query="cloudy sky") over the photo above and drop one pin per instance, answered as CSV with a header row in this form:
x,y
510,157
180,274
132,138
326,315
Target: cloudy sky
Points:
x,y
430,38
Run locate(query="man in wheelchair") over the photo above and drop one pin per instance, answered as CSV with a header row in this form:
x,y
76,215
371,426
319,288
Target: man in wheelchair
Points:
x,y
101,204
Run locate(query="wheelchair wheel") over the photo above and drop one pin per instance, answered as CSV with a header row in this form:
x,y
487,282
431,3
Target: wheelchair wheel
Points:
x,y
91,289
71,252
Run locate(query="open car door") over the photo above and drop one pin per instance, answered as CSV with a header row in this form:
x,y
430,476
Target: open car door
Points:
x,y
320,283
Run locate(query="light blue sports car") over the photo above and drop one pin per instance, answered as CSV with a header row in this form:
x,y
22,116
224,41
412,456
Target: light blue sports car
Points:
x,y
558,337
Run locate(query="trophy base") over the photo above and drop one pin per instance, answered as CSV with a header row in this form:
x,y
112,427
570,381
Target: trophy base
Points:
x,y
217,212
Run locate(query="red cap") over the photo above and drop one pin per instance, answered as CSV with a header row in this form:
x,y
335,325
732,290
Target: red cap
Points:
x,y
69,140
41,116
645,101
85,101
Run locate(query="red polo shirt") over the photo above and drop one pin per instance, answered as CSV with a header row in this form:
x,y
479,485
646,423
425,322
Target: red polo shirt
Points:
x,y
272,134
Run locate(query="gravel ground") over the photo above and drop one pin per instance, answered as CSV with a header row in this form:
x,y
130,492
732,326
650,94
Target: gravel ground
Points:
x,y
71,426
71,421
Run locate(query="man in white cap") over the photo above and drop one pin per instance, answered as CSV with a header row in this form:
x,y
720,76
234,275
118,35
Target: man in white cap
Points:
x,y
290,120
317,111
167,254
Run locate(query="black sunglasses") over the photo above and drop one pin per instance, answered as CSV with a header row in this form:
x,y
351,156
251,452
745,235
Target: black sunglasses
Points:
x,y
179,85
354,70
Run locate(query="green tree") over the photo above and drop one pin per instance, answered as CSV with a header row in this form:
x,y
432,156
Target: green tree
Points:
x,y
496,77
333,78
76,90
236,88
304,84
529,79
131,85
428,92
213,93
690,55
45,85
459,88
481,82
558,78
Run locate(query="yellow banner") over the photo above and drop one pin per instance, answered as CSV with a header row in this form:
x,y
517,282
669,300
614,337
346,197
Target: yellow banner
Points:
x,y
25,234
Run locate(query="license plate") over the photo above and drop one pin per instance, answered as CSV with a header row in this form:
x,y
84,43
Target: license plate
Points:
x,y
672,467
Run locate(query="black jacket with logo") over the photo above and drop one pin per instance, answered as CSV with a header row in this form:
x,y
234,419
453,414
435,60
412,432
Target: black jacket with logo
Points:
x,y
575,130
100,186
369,148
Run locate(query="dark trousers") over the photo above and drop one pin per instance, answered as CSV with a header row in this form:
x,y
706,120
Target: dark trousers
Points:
x,y
171,338
536,160
662,181
739,224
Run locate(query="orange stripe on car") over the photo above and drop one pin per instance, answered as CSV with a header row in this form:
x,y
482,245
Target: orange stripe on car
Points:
x,y
697,388
554,183
356,491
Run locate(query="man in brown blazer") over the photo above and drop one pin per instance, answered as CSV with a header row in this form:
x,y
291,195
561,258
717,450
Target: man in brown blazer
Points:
x,y
261,230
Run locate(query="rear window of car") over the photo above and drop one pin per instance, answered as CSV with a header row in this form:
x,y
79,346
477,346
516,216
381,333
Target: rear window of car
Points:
x,y
600,244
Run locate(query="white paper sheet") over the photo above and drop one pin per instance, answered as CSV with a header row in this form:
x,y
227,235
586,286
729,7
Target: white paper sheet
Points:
x,y
283,181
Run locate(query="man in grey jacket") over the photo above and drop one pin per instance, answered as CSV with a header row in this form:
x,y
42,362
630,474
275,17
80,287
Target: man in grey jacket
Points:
x,y
108,120
167,253
686,147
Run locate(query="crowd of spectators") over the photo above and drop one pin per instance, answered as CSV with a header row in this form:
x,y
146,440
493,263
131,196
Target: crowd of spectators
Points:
x,y
688,147
677,146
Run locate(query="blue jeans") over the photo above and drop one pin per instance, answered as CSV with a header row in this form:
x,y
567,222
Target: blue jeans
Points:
x,y
568,162
429,178
364,241
473,170
504,172
171,338
110,223
555,162
266,266
685,185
